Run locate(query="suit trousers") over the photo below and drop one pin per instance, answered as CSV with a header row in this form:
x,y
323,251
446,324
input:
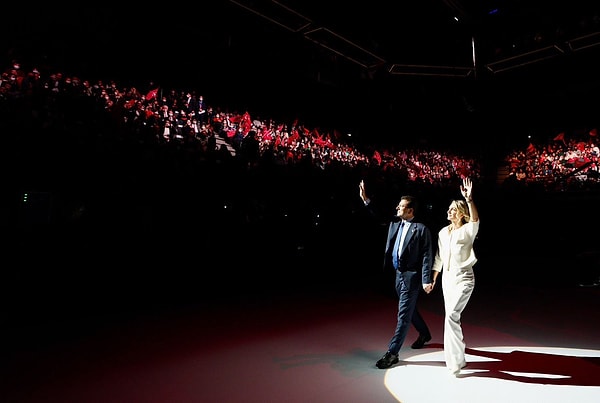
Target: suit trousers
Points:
x,y
408,287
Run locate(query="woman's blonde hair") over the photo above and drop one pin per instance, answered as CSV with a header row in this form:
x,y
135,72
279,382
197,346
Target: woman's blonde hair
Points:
x,y
462,208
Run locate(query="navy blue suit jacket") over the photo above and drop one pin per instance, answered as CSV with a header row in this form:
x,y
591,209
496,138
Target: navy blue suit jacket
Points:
x,y
417,249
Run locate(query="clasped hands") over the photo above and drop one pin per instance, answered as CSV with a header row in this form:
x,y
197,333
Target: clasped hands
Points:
x,y
428,287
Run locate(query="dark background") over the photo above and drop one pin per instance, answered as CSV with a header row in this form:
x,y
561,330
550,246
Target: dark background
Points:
x,y
101,232
249,56
107,227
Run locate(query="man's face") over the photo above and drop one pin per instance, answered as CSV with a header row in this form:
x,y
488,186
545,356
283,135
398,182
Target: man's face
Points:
x,y
402,209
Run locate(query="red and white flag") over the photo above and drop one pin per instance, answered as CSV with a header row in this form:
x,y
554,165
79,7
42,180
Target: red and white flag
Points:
x,y
151,94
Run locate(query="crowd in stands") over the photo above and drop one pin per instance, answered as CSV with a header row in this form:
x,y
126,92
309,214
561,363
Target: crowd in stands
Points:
x,y
183,118
167,116
567,162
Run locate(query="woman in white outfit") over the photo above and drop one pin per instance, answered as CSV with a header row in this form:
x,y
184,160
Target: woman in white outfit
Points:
x,y
455,256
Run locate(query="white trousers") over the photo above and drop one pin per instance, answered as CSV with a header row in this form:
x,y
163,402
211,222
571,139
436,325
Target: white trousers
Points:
x,y
457,287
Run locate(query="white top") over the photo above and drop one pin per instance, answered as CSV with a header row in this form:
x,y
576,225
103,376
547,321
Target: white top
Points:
x,y
455,248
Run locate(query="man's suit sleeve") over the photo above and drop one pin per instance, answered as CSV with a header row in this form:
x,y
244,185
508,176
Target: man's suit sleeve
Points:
x,y
427,255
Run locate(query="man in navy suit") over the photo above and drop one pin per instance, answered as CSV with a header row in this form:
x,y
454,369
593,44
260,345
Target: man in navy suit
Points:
x,y
409,252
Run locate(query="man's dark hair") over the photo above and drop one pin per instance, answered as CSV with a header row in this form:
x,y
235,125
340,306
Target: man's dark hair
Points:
x,y
412,202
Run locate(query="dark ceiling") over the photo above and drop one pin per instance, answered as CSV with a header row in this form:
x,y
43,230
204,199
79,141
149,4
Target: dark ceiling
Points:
x,y
373,67
442,32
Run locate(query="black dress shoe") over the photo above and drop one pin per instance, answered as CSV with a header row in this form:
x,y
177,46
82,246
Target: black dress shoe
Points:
x,y
387,360
420,342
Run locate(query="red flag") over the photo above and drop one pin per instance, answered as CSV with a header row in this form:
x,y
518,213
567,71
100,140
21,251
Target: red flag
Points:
x,y
531,148
561,137
377,157
593,132
246,123
267,134
151,94
294,137
464,171
321,142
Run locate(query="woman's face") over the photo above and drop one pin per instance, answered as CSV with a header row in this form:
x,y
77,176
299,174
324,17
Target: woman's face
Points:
x,y
453,213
